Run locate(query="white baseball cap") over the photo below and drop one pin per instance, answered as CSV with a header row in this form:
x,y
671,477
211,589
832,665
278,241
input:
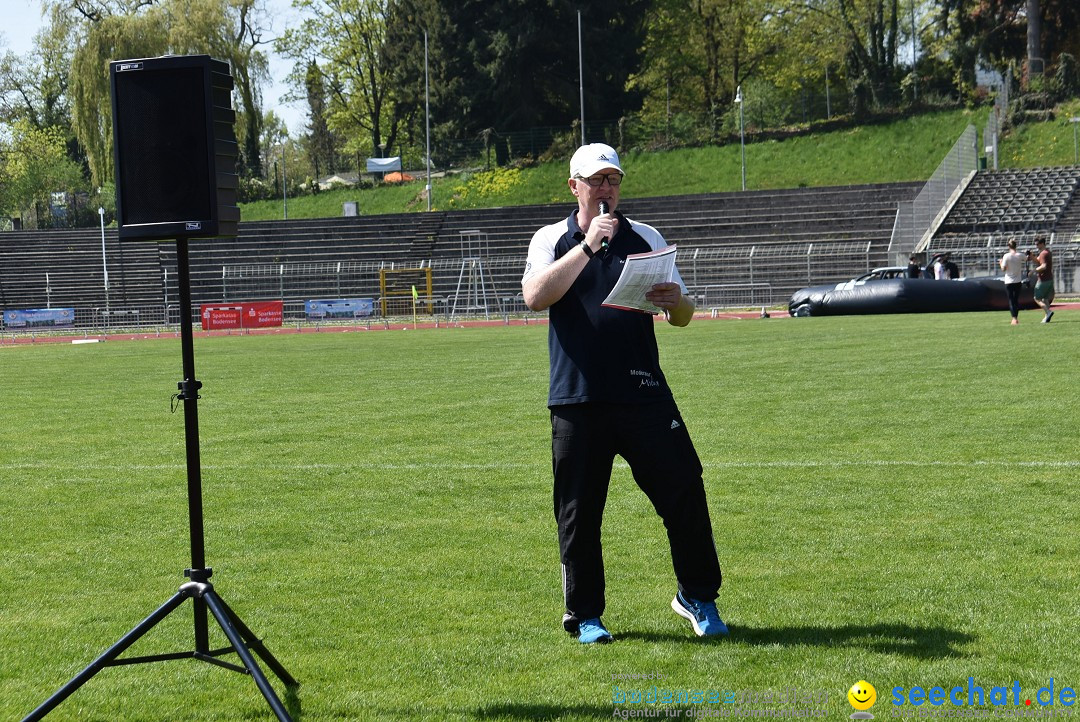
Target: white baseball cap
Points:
x,y
590,159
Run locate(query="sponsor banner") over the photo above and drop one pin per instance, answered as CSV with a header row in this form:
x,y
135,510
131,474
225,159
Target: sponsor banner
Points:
x,y
340,308
383,165
39,318
257,314
219,317
260,314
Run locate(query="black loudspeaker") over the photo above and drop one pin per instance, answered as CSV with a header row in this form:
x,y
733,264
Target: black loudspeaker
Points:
x,y
175,148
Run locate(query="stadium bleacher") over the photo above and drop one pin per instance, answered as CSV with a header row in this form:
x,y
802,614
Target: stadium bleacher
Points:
x,y
1021,204
746,223
785,239
1013,200
64,268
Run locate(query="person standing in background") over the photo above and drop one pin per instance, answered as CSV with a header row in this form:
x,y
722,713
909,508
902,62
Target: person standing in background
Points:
x,y
1044,271
941,273
914,269
1012,263
952,271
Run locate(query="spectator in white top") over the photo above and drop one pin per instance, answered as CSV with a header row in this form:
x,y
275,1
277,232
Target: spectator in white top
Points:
x,y
1012,263
940,272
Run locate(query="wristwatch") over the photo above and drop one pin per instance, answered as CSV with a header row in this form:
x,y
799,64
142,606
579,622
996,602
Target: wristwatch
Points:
x,y
585,247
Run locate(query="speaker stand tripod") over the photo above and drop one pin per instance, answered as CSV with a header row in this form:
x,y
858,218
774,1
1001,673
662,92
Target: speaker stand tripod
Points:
x,y
199,589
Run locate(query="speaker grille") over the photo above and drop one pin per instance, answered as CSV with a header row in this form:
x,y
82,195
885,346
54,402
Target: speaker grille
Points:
x,y
163,168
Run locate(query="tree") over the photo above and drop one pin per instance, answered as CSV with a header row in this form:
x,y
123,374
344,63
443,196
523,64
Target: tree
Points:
x,y
739,37
873,36
671,66
1003,33
320,141
251,70
342,42
33,165
115,29
512,65
35,86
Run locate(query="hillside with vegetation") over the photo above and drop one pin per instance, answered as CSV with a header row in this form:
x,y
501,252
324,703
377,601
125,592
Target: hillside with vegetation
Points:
x,y
904,149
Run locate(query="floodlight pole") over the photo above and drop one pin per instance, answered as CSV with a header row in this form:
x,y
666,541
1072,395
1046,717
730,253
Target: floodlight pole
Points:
x,y
427,120
581,76
914,58
198,589
104,265
284,183
742,134
828,99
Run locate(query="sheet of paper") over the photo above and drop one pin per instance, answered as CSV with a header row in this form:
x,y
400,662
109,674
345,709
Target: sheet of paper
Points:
x,y
639,274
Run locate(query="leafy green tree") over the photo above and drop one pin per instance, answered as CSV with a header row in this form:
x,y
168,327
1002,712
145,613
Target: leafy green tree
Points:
x,y
35,86
995,32
406,23
672,67
872,34
512,65
230,30
342,42
33,165
320,141
699,52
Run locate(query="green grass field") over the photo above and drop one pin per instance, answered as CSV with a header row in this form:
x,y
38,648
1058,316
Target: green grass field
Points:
x,y
893,499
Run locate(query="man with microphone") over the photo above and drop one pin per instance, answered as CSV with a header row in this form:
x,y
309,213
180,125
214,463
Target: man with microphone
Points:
x,y
608,397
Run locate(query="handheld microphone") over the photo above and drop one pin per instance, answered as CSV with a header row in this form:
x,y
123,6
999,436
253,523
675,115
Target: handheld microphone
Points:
x,y
603,212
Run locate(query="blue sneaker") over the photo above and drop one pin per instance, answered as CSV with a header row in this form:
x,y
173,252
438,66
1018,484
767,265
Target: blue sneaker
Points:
x,y
592,631
702,615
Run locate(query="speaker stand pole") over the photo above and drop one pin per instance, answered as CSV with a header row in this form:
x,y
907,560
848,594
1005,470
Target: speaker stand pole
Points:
x,y
199,589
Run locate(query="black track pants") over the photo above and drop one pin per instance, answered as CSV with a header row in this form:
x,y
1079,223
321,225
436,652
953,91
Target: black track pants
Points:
x,y
652,438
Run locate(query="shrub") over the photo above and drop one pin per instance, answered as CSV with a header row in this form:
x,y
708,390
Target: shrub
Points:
x,y
1067,76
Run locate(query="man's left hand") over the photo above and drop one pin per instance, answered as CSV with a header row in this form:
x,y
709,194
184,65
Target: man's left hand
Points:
x,y
665,295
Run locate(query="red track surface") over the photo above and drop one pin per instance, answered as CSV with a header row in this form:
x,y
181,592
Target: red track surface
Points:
x,y
397,325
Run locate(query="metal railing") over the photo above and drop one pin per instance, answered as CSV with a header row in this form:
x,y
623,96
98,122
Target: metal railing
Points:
x,y
981,258
717,277
783,268
702,271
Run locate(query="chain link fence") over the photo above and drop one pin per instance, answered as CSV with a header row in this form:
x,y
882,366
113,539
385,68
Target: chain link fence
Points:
x,y
490,286
916,220
980,258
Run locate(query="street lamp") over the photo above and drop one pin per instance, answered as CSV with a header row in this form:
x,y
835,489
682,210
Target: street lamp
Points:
x,y
427,121
1076,150
284,183
104,266
742,134
581,76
